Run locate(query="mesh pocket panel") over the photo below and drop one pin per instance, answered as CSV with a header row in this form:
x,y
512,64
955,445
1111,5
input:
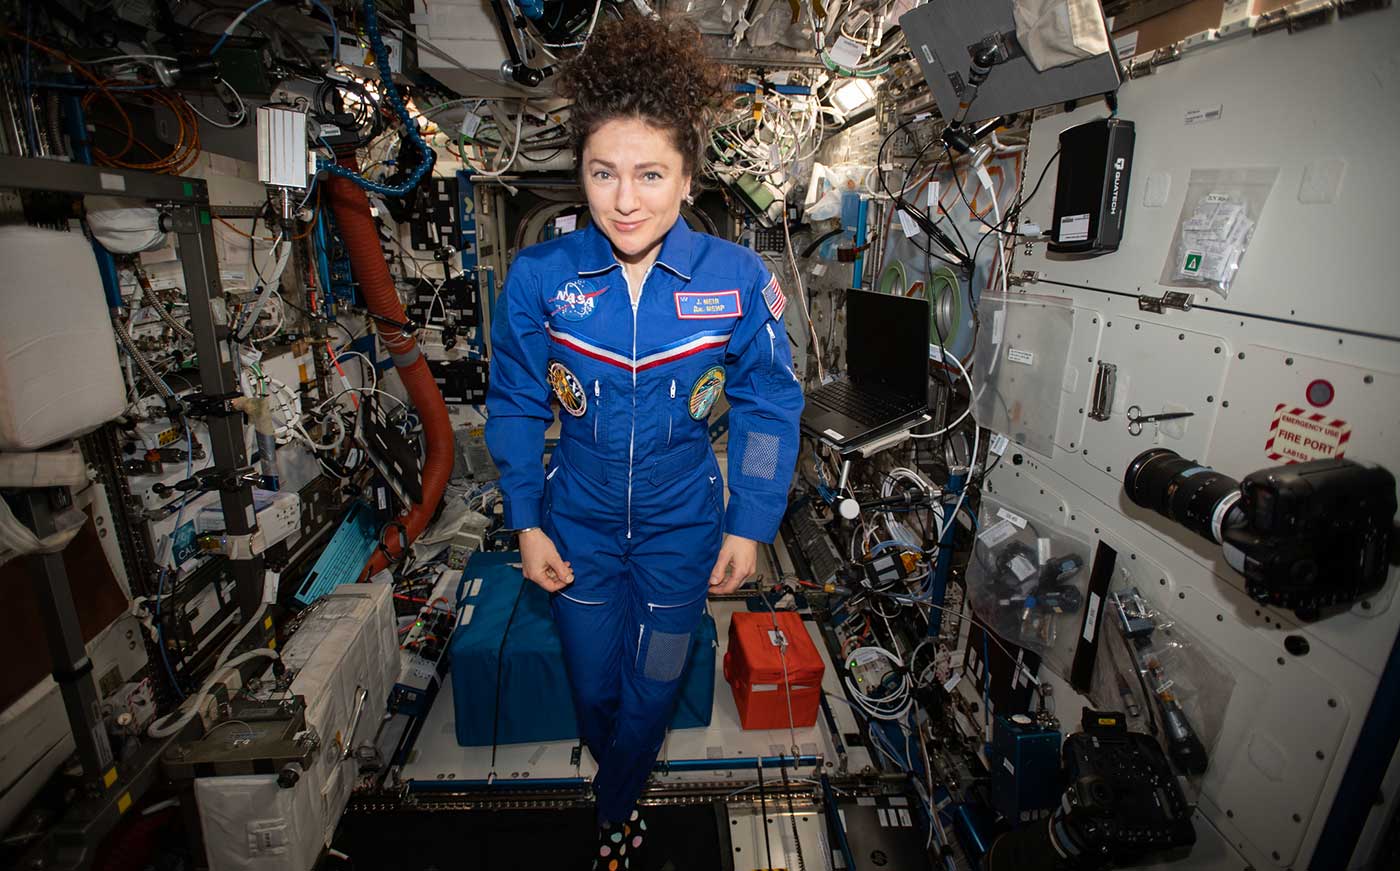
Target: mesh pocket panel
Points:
x,y
761,456
666,654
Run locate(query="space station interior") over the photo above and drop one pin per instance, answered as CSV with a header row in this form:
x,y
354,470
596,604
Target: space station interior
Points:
x,y
1071,522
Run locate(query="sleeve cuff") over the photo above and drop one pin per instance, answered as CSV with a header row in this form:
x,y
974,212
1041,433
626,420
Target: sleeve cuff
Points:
x,y
523,513
760,526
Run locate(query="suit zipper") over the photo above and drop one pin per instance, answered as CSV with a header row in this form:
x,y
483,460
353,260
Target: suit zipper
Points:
x,y
772,346
670,413
632,436
597,402
653,607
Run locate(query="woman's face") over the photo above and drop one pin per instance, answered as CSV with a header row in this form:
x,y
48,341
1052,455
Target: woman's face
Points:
x,y
635,180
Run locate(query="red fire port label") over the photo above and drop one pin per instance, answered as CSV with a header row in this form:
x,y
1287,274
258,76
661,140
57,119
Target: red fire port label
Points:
x,y
1297,435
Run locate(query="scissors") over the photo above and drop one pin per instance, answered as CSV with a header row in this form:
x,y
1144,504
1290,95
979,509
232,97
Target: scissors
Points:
x,y
1136,418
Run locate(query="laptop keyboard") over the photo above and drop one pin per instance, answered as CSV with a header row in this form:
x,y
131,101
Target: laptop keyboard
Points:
x,y
861,405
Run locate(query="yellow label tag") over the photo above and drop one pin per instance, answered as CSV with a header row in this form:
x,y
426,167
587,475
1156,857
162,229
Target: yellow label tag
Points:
x,y
124,803
267,624
168,437
272,645
110,777
1107,721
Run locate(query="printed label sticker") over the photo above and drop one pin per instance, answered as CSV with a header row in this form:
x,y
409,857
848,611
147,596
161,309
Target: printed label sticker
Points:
x,y
1297,435
1074,228
1012,517
1091,621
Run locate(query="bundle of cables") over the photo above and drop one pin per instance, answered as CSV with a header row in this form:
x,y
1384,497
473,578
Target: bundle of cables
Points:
x,y
765,135
857,27
891,698
181,156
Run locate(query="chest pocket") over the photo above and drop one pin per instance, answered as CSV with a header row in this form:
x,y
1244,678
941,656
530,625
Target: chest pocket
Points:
x,y
779,356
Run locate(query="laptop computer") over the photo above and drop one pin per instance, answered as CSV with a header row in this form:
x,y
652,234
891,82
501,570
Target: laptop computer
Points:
x,y
886,381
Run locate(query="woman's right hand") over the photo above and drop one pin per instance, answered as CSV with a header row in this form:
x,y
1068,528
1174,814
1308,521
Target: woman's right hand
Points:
x,y
540,561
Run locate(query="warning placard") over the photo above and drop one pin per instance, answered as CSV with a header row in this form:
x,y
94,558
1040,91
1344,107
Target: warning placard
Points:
x,y
1298,435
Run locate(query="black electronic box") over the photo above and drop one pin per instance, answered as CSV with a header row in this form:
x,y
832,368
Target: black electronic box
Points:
x,y
1091,188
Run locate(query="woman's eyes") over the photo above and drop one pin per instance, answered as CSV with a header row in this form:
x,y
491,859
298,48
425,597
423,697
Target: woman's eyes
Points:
x,y
604,175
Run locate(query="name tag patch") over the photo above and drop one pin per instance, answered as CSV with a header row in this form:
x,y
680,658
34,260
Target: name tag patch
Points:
x,y
714,304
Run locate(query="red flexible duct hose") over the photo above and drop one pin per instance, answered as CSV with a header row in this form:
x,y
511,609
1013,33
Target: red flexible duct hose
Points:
x,y
356,225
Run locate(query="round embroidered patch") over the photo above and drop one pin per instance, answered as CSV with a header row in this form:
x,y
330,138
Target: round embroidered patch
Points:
x,y
705,391
568,389
575,300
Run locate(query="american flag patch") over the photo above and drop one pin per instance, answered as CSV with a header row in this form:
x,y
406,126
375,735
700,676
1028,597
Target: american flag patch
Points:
x,y
775,299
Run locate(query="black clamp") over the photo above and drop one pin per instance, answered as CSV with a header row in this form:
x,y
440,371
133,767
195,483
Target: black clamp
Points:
x,y
218,405
406,326
214,479
403,541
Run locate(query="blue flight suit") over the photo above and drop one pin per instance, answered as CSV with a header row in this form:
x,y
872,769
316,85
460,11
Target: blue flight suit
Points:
x,y
633,497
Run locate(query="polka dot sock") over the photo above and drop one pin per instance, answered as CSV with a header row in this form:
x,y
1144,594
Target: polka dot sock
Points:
x,y
614,842
635,832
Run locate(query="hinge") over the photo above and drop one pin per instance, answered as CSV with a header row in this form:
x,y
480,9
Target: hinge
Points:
x,y
1159,304
1025,276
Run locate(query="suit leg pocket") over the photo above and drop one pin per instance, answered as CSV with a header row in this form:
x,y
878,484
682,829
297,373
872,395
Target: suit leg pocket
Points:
x,y
665,637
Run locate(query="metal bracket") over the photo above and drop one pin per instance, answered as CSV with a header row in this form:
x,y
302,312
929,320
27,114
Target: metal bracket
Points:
x,y
1025,276
1159,304
236,547
1295,17
184,218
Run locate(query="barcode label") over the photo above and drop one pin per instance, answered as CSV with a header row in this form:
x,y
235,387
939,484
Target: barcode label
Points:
x,y
1011,517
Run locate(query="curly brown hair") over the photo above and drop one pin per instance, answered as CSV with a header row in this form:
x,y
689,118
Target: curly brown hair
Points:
x,y
648,68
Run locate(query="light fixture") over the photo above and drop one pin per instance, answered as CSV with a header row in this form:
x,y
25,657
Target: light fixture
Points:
x,y
852,95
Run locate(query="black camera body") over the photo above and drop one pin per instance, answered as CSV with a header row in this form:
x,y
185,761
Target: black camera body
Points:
x,y
1318,533
1305,536
1123,801
1123,804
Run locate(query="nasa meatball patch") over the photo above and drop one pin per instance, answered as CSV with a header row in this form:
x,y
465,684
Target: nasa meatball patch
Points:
x,y
575,299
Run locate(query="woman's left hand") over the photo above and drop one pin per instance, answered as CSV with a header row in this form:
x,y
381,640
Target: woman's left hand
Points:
x,y
738,557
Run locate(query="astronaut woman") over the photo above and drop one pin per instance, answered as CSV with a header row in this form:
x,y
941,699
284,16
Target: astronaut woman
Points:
x,y
635,325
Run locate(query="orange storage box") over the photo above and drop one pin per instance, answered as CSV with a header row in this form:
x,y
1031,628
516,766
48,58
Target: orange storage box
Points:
x,y
753,667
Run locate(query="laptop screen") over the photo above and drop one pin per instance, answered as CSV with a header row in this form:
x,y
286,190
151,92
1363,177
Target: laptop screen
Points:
x,y
887,342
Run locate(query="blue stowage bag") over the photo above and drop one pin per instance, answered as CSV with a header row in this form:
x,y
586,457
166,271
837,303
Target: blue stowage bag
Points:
x,y
535,702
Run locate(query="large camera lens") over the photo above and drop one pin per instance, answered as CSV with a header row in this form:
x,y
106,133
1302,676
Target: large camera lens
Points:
x,y
1032,847
1196,496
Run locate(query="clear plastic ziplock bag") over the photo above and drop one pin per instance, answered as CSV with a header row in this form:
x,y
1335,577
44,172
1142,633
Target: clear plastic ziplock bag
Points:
x,y
1027,581
1217,222
1164,677
1018,366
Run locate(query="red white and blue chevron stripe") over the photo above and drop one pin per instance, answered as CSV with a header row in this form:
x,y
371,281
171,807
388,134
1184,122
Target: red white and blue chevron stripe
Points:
x,y
689,346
